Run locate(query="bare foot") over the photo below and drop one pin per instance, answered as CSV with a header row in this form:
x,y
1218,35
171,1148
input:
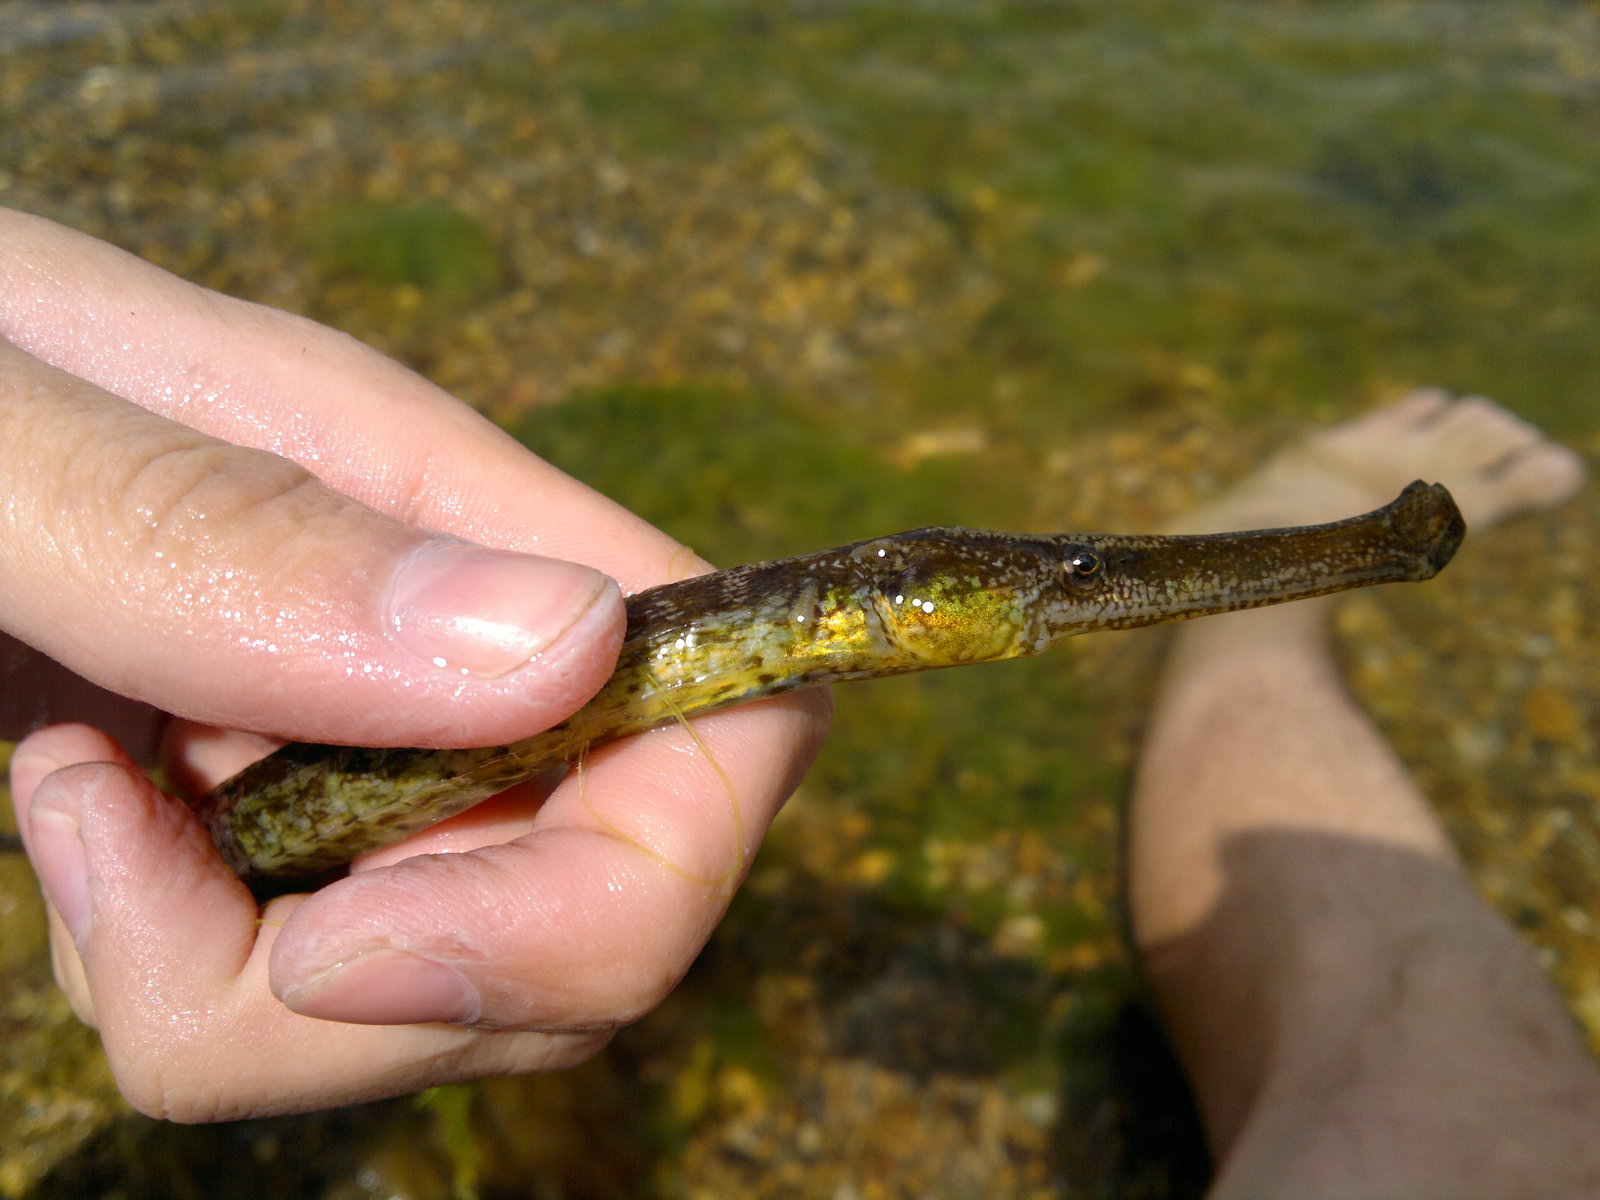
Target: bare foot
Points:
x,y
1355,1020
1493,462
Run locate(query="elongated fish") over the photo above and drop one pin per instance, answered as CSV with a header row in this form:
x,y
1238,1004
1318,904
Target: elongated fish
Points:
x,y
911,602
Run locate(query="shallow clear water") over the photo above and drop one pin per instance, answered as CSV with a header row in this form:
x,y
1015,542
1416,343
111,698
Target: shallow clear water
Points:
x,y
782,276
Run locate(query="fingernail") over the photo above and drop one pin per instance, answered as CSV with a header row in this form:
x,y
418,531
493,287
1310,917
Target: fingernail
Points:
x,y
28,769
484,613
62,863
388,987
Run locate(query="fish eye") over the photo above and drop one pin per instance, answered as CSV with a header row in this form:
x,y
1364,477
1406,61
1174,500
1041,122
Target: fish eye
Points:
x,y
1082,564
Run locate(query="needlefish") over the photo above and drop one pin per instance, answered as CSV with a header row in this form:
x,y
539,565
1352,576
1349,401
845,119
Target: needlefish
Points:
x,y
914,601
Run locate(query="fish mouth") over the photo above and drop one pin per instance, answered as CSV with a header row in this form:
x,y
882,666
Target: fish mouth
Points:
x,y
1426,518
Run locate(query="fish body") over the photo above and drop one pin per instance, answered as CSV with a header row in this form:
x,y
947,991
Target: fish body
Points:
x,y
914,601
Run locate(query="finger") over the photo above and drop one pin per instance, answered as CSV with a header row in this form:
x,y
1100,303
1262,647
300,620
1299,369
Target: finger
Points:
x,y
57,853
334,406
258,377
586,921
195,757
165,944
229,586
52,772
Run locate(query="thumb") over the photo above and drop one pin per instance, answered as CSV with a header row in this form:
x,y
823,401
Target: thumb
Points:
x,y
228,585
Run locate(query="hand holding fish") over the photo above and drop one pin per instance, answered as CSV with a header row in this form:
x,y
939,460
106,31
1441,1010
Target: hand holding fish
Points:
x,y
251,522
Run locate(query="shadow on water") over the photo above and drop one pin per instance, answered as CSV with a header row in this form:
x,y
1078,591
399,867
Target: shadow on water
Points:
x,y
892,995
899,991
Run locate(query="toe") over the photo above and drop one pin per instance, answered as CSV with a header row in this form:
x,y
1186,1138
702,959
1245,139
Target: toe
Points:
x,y
1533,477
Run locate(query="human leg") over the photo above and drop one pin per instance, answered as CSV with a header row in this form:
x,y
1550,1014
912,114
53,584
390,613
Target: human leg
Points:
x,y
1356,1021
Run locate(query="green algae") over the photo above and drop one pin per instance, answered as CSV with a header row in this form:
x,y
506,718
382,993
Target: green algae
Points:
x,y
1125,219
444,253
